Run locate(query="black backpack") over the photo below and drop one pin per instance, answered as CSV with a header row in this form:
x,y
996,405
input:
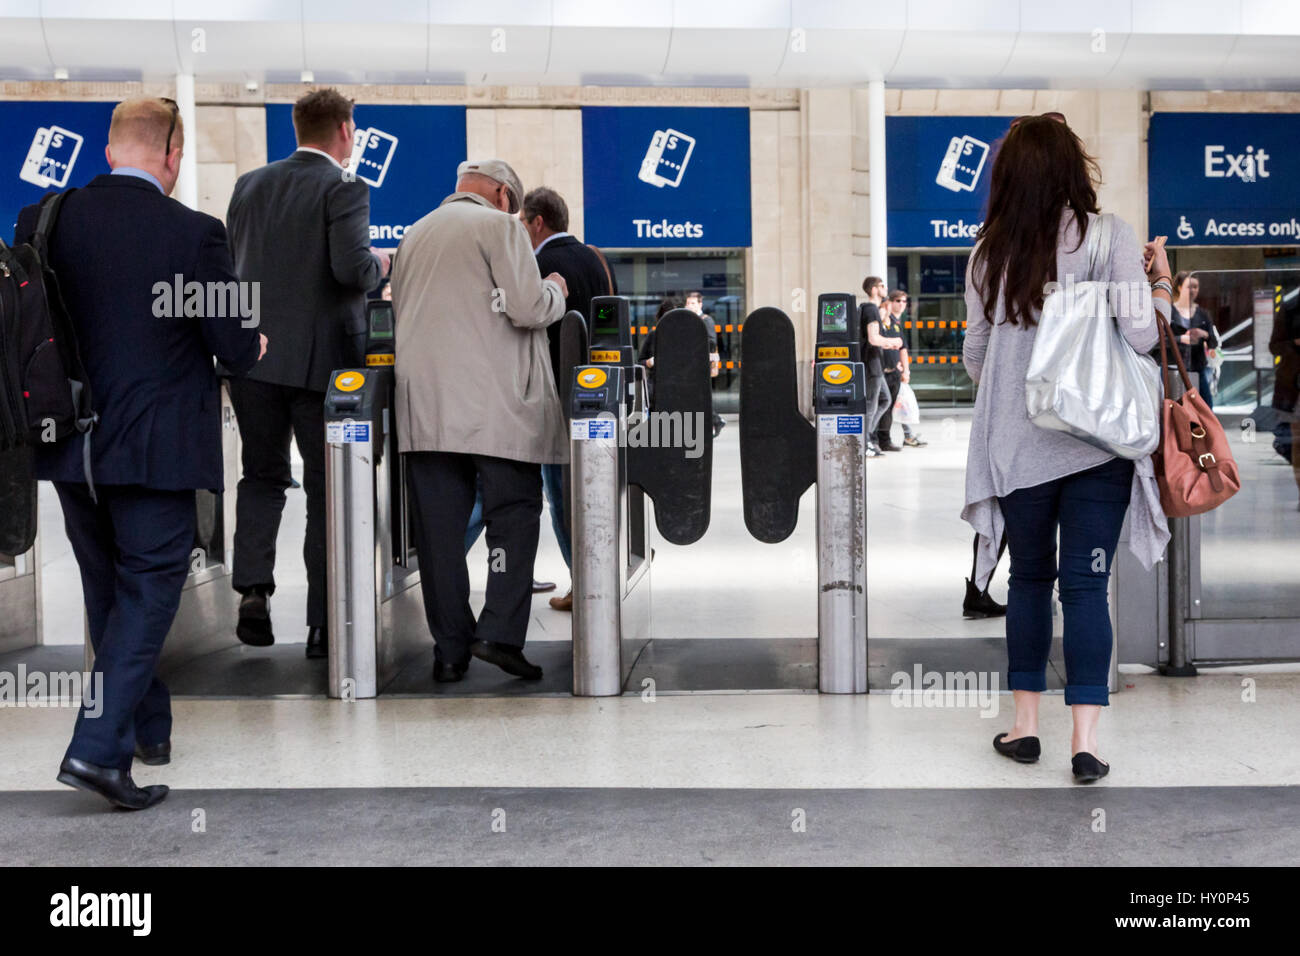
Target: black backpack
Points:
x,y
44,390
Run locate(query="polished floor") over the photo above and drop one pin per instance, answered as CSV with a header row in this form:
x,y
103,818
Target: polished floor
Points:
x,y
753,768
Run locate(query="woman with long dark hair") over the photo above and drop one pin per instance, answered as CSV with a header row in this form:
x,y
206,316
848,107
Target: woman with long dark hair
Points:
x,y
1032,482
1197,337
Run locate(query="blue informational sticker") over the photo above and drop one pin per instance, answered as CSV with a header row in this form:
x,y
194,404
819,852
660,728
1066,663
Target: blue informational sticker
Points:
x,y
600,428
848,424
347,432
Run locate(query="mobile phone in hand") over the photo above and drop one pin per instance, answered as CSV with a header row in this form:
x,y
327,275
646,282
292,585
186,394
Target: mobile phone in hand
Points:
x,y
1159,242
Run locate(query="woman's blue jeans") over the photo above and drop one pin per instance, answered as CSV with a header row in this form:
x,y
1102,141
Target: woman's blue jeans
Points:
x,y
1088,509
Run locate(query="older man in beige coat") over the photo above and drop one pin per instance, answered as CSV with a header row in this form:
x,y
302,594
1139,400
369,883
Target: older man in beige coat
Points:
x,y
476,404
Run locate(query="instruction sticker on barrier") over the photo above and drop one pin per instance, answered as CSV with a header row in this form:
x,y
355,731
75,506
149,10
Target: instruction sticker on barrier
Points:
x,y
840,424
582,429
346,432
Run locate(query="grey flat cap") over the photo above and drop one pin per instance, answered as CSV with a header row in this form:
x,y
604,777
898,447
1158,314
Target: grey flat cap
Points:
x,y
499,170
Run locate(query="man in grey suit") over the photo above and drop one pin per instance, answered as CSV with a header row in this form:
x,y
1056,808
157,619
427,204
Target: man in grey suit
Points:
x,y
301,228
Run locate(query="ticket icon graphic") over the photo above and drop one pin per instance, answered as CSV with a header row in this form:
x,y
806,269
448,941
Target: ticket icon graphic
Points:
x,y
372,153
666,157
51,157
962,164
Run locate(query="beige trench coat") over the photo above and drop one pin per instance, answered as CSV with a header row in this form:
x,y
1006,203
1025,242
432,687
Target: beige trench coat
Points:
x,y
473,369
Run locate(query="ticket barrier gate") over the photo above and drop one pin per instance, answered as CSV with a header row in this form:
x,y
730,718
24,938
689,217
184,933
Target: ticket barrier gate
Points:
x,y
782,453
622,451
376,619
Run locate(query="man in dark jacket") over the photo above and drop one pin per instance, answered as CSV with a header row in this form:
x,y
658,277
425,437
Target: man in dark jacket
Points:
x,y
301,228
120,247
546,215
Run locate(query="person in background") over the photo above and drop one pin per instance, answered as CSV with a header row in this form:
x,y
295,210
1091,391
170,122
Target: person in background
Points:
x,y
159,433
898,305
897,367
1197,337
1035,483
874,342
546,217
477,410
645,355
695,302
301,228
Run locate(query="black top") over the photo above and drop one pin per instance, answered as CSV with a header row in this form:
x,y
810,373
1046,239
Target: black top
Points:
x,y
890,328
868,313
150,367
303,231
1194,356
585,275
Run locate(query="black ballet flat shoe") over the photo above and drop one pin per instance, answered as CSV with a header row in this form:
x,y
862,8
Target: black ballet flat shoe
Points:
x,y
1021,750
1088,768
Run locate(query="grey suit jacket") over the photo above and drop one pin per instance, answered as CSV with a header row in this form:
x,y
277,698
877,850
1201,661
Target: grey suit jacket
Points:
x,y
302,231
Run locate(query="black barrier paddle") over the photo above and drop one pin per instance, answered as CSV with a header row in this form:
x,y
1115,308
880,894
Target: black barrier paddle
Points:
x,y
573,352
670,453
778,446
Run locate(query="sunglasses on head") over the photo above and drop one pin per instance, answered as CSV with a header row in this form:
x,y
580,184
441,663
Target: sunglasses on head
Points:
x,y
176,111
1059,117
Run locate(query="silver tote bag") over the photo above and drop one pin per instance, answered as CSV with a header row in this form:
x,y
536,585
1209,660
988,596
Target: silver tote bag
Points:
x,y
1084,378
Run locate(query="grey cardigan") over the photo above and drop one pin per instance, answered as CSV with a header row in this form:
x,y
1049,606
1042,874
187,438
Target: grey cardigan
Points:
x,y
1007,451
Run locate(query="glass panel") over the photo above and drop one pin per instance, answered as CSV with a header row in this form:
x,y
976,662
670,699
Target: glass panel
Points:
x,y
646,278
1250,547
934,324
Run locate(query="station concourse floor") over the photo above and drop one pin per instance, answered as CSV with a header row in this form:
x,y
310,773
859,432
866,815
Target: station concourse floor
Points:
x,y
1202,775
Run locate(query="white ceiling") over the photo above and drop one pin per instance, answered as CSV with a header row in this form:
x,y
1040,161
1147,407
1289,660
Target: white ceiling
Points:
x,y
1150,44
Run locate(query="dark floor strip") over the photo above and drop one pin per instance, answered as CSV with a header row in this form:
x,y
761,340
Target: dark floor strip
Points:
x,y
1117,826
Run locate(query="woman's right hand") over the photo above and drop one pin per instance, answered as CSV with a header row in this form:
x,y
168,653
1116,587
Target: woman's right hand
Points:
x,y
1157,260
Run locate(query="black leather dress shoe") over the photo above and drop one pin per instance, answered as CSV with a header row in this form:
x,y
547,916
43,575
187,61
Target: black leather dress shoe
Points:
x,y
888,445
155,755
507,657
445,672
318,644
541,587
1088,768
1021,750
115,786
980,604
254,627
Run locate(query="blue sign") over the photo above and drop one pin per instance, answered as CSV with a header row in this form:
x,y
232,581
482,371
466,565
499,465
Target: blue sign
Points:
x,y
666,177
937,178
848,424
48,145
1224,179
407,155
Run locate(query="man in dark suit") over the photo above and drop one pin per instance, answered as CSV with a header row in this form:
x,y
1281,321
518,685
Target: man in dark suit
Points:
x,y
119,247
546,216
300,227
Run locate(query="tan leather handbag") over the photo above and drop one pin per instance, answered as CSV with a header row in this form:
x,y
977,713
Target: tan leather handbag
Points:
x,y
1193,463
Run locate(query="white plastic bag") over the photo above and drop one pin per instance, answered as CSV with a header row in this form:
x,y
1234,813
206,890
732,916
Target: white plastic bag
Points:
x,y
906,410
